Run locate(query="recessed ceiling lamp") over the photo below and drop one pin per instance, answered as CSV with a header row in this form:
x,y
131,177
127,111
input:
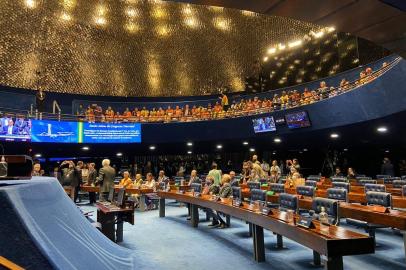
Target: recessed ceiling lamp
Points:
x,y
382,129
334,135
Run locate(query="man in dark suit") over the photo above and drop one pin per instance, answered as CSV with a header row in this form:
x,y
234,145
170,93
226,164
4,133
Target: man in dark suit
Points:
x,y
10,129
91,179
71,175
106,178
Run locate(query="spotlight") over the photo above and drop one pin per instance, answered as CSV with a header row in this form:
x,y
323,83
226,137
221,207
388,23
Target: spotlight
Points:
x,y
152,147
38,155
219,146
382,129
189,144
252,149
277,140
334,135
119,154
85,148
245,143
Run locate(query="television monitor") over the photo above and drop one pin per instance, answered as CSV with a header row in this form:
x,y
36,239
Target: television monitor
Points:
x,y
297,120
264,124
15,128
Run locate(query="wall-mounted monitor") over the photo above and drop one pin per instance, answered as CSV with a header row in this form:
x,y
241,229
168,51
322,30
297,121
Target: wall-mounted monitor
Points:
x,y
15,129
297,120
264,124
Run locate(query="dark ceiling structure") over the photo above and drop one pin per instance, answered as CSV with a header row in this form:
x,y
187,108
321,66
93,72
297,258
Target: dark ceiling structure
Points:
x,y
380,21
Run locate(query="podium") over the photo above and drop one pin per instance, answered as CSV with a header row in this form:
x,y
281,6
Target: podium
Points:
x,y
19,167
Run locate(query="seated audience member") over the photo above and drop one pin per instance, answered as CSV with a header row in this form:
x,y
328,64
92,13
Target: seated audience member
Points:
x,y
210,187
225,192
126,182
234,181
194,178
351,173
149,182
36,169
275,172
162,177
138,180
338,172
387,167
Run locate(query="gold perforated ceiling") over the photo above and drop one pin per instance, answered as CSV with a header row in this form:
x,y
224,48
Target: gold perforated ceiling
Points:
x,y
133,48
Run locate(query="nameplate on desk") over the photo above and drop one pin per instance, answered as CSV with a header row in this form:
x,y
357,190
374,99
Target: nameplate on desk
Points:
x,y
237,202
266,211
305,222
380,209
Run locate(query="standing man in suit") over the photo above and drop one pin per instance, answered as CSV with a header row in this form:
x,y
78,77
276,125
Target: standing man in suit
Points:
x,y
91,179
72,176
106,178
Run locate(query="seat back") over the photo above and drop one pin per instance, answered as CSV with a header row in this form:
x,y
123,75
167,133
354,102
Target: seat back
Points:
x,y
379,198
330,205
374,187
313,178
196,187
258,195
235,183
345,186
288,202
311,183
305,190
382,176
236,192
339,179
404,190
178,179
366,181
162,185
403,177
390,180
399,183
254,185
278,188
339,194
263,181
282,180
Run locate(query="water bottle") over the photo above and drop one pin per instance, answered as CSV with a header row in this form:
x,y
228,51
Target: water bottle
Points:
x,y
3,167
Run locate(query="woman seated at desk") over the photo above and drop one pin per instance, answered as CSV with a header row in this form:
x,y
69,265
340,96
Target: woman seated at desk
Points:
x,y
150,184
126,182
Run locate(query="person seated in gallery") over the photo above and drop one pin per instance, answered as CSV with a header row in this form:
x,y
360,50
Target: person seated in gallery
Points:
x,y
126,182
351,173
338,172
127,115
194,178
109,114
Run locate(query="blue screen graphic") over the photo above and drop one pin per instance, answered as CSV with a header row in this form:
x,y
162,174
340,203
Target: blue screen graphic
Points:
x,y
54,131
111,133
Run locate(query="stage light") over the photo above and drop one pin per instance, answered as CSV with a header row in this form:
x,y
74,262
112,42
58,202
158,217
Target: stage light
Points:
x,y
38,155
219,146
189,144
85,148
252,149
119,154
131,12
152,147
277,140
245,143
334,135
382,129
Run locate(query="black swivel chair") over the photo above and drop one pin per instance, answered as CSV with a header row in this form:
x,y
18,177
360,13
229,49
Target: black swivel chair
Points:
x,y
374,187
330,206
399,183
235,183
258,195
311,183
382,176
366,181
286,202
403,177
196,187
339,179
305,190
373,198
390,180
263,181
345,186
313,178
339,194
236,192
254,185
277,188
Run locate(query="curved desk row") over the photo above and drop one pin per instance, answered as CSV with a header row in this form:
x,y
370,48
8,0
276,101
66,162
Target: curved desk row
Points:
x,y
333,242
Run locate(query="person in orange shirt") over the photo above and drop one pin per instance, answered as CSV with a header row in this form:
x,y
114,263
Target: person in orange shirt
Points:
x,y
109,114
126,182
178,112
127,115
117,117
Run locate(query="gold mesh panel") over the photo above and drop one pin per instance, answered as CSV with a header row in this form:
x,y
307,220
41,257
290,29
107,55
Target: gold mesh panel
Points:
x,y
133,47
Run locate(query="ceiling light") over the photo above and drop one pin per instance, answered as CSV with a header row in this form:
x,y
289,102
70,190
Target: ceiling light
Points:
x,y
295,43
271,50
152,147
219,146
119,154
386,151
100,21
331,29
382,129
85,148
38,155
65,16
189,144
317,34
281,46
265,58
277,140
189,152
252,150
305,150
334,135
245,143
30,3
345,149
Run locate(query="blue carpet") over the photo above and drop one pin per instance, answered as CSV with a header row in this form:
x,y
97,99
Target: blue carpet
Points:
x,y
173,244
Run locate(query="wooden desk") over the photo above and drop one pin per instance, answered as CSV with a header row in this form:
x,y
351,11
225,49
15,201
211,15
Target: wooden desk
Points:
x,y
334,243
110,216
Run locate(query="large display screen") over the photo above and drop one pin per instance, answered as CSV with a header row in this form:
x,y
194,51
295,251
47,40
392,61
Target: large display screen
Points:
x,y
298,120
264,124
15,129
79,132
